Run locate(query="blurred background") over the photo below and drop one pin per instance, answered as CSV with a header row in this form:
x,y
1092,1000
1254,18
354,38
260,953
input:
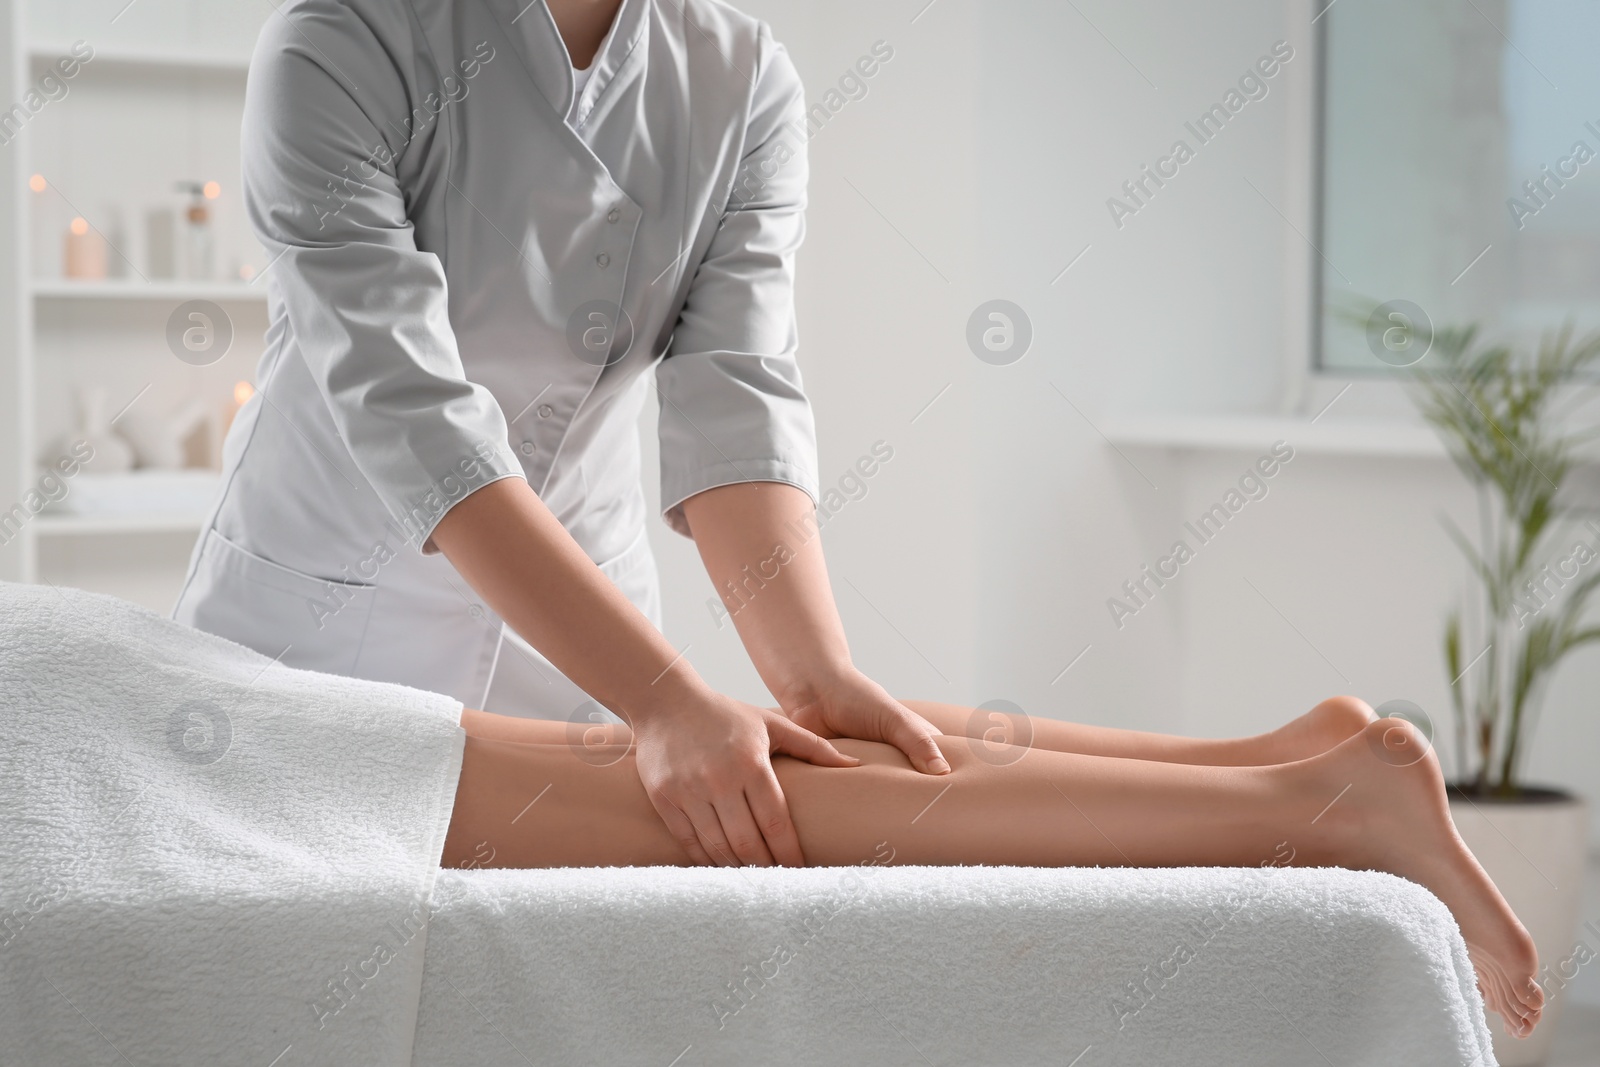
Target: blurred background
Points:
x,y
1171,316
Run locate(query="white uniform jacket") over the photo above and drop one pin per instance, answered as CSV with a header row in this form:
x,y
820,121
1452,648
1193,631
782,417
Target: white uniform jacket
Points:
x,y
471,272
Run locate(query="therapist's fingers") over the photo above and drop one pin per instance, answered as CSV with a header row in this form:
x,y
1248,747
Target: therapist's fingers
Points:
x,y
770,809
915,736
682,829
795,740
745,838
708,825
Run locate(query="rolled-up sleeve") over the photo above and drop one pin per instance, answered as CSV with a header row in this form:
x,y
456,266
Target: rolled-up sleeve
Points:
x,y
732,405
326,118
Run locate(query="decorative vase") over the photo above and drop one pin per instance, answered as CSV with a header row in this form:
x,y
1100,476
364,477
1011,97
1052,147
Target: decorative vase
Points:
x,y
112,455
1534,848
159,440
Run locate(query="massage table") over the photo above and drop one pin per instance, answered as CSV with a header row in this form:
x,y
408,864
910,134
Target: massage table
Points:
x,y
206,857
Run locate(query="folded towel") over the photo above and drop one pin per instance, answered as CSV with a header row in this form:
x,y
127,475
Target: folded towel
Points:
x,y
207,857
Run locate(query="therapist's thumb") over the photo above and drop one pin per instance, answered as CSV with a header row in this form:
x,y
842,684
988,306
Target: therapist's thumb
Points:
x,y
914,735
797,741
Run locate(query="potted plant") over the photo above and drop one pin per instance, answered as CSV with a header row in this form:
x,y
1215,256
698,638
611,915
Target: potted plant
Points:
x,y
1535,566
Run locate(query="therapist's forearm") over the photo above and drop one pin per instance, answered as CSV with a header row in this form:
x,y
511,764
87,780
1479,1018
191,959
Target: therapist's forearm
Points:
x,y
760,545
510,548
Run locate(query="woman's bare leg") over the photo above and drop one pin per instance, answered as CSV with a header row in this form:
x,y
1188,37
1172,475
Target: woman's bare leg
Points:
x,y
1375,801
1318,730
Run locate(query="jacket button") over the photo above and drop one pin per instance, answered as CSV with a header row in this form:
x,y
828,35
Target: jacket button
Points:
x,y
603,259
527,448
545,411
613,215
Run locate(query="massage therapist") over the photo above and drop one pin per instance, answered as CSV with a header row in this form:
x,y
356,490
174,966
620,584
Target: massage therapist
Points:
x,y
487,220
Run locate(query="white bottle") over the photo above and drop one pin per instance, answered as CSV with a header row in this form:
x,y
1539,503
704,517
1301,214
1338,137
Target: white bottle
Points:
x,y
161,257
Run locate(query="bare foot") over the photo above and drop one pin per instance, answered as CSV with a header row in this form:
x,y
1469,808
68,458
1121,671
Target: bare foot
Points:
x,y
1330,723
1395,817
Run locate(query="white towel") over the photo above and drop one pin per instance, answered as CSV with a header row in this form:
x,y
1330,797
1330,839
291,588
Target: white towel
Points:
x,y
922,966
207,857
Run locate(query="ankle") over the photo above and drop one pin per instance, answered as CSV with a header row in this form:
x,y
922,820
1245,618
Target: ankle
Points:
x,y
1328,817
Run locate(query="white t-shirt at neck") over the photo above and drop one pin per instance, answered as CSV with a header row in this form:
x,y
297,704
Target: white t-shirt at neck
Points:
x,y
580,78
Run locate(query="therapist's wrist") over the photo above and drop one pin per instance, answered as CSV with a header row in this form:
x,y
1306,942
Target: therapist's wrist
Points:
x,y
812,682
677,687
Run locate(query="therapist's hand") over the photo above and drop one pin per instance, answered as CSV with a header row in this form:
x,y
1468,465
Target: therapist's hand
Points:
x,y
761,546
706,765
850,704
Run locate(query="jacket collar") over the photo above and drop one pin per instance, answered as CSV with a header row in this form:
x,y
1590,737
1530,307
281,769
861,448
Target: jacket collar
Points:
x,y
532,31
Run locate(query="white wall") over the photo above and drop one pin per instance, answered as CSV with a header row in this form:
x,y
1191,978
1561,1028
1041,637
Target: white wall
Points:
x,y
992,142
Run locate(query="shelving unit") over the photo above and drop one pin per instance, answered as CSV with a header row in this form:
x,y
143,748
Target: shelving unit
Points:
x,y
102,525
165,291
41,54
158,103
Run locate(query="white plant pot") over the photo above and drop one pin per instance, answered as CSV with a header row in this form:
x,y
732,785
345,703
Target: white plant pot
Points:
x,y
1534,849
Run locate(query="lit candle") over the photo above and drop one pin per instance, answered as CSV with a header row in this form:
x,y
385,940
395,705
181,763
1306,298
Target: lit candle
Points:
x,y
86,251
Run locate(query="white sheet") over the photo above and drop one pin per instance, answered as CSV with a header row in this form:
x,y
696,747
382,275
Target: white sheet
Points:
x,y
958,966
198,845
